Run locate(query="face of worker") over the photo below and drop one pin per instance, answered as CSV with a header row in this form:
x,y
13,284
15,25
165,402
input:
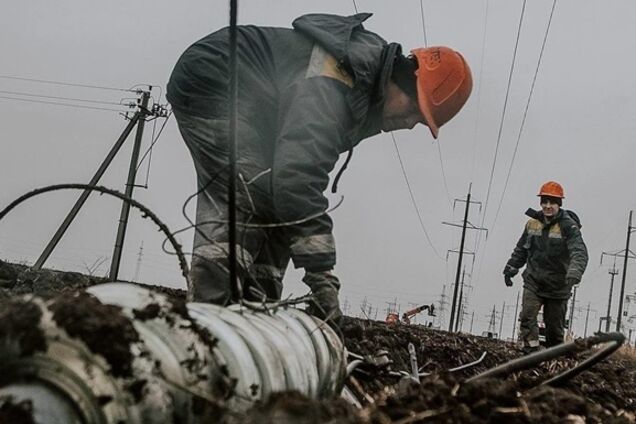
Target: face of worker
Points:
x,y
400,111
549,206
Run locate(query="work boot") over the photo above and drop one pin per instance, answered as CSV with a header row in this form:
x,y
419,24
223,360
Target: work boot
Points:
x,y
324,290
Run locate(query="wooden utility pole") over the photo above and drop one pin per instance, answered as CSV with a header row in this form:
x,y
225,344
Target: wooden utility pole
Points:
x,y
587,316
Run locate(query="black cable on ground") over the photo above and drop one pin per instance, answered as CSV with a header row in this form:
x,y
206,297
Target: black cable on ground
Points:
x,y
132,202
612,342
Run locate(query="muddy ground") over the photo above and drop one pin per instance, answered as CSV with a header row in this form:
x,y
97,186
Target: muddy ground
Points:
x,y
604,394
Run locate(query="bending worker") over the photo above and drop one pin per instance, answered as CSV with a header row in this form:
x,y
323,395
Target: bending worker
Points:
x,y
555,256
305,95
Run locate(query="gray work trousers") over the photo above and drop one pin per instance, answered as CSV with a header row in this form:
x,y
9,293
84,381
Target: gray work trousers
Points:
x,y
262,253
553,316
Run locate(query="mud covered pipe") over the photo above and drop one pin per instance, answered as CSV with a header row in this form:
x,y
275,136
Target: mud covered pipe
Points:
x,y
123,353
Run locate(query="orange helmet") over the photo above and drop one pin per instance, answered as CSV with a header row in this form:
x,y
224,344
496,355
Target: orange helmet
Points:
x,y
444,83
552,189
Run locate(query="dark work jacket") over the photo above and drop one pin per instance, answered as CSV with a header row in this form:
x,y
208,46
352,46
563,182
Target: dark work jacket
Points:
x,y
305,96
552,253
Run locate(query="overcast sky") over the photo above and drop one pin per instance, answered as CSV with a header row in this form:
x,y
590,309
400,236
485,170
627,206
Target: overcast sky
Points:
x,y
579,131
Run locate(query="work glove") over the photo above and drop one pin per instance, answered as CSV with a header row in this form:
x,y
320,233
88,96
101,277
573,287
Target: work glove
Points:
x,y
509,272
571,282
324,290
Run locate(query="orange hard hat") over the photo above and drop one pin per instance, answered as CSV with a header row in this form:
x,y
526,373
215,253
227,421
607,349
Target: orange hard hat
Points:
x,y
552,189
444,83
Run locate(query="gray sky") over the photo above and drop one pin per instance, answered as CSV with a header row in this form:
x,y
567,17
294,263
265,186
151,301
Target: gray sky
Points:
x,y
579,131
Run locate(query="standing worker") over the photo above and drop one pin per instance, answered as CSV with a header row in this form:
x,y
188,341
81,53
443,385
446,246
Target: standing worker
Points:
x,y
305,95
555,256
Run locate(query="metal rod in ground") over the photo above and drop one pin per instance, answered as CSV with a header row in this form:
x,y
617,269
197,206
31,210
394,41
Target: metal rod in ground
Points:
x,y
82,199
130,185
233,94
571,323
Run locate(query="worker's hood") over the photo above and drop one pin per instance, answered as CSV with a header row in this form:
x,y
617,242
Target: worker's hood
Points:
x,y
364,54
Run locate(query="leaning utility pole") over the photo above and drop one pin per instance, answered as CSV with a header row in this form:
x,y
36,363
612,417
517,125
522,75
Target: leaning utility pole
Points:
x,y
464,226
138,119
627,252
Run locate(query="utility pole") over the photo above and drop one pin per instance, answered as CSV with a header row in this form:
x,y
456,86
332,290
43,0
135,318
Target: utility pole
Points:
x,y
503,311
138,120
587,316
627,252
472,319
464,225
514,325
571,326
492,322
459,303
140,256
608,317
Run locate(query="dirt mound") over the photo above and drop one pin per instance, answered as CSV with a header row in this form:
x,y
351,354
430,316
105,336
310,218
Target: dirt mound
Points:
x,y
604,394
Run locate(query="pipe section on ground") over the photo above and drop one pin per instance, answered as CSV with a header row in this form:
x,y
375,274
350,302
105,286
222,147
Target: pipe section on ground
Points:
x,y
124,353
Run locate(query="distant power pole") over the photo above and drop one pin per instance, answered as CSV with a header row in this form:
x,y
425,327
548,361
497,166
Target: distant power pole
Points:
x,y
464,226
587,316
571,326
472,319
514,324
503,311
608,317
492,322
627,252
140,256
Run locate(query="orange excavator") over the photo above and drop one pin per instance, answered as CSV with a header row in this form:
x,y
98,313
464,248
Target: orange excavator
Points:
x,y
393,318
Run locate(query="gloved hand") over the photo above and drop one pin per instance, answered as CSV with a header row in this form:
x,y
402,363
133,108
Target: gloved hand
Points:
x,y
509,272
571,282
508,280
324,289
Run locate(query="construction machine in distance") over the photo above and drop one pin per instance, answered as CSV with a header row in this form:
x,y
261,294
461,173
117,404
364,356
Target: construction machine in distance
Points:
x,y
392,318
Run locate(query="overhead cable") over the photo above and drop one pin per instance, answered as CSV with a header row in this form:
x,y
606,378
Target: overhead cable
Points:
x,y
525,113
478,89
417,211
423,23
20,93
62,104
503,113
64,83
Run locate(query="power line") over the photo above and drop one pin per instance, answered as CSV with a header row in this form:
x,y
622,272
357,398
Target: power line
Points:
x,y
525,112
423,23
439,147
503,113
64,83
103,102
417,211
61,104
481,73
355,6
